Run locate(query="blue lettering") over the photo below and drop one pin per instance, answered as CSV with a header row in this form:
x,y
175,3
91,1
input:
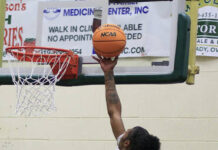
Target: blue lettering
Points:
x,y
119,11
141,10
78,12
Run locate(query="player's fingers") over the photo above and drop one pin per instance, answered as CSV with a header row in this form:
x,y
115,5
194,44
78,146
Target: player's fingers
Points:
x,y
98,60
99,57
115,59
108,59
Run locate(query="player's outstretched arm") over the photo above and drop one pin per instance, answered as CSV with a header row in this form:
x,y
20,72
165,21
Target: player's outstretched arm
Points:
x,y
112,98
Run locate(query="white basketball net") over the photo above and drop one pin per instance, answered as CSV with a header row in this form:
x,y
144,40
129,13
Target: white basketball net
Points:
x,y
35,81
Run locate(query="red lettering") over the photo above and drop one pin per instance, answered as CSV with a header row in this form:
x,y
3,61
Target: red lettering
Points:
x,y
13,36
9,38
11,7
5,37
17,7
6,7
20,6
23,7
20,31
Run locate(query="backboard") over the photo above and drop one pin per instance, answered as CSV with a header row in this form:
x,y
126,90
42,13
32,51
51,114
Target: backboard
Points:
x,y
157,35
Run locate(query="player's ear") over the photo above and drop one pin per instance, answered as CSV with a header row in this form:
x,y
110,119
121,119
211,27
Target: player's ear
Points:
x,y
126,143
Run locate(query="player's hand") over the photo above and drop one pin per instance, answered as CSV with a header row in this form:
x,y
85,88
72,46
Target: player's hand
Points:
x,y
107,64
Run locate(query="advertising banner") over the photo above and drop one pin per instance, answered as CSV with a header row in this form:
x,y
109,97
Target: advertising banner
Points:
x,y
20,23
148,27
207,38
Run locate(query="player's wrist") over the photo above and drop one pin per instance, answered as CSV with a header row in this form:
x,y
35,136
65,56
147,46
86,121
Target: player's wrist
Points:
x,y
108,73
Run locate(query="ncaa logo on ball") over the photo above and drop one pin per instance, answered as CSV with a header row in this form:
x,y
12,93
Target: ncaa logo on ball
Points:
x,y
108,34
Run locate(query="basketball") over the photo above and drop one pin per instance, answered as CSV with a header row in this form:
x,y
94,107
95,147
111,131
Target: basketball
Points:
x,y
109,40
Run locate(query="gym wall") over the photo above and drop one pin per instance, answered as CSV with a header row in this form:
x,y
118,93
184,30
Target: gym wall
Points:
x,y
184,117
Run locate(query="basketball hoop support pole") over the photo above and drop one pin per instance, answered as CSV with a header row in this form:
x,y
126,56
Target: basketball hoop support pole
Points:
x,y
192,11
2,27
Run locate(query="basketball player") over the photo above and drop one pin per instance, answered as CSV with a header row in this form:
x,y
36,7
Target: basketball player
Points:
x,y
136,138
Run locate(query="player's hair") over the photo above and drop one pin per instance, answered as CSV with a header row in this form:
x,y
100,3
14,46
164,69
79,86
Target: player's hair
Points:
x,y
140,139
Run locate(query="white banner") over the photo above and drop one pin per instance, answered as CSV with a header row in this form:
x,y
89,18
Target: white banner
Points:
x,y
20,22
148,27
